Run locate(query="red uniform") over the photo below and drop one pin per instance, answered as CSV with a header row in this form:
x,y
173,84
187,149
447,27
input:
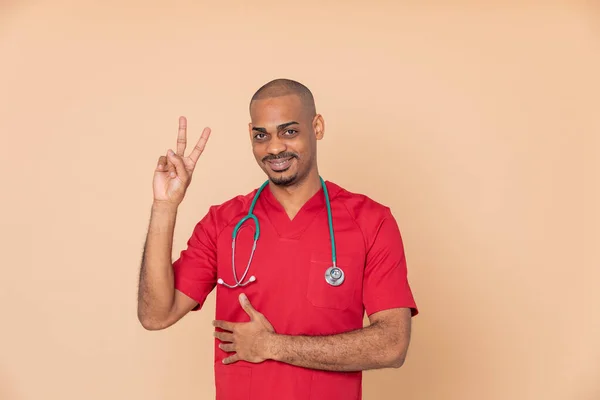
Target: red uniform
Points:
x,y
290,290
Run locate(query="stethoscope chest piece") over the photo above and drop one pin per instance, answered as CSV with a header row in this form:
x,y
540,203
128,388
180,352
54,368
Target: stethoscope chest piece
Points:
x,y
334,276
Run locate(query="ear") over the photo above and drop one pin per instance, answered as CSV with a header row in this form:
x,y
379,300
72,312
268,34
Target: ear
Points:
x,y
250,130
319,126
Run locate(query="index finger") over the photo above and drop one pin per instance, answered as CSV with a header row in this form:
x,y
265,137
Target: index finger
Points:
x,y
199,148
181,136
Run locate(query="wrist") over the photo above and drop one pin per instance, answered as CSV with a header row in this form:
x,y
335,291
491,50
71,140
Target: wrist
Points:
x,y
272,346
164,207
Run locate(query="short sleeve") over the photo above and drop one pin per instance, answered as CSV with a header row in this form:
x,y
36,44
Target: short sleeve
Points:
x,y
386,282
196,268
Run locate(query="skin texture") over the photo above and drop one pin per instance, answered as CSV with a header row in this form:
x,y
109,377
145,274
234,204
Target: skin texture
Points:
x,y
382,344
284,126
159,304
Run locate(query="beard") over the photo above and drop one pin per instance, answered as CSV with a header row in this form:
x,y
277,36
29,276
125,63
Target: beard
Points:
x,y
284,180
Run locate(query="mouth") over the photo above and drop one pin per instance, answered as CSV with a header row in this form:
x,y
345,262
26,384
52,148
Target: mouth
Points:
x,y
280,164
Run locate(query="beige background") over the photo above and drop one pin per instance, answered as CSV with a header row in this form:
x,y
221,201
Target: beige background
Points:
x,y
477,124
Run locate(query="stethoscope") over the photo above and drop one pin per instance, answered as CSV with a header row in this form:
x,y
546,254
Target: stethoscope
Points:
x,y
333,275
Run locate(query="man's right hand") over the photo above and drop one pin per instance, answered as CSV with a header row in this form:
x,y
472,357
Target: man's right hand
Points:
x,y
174,171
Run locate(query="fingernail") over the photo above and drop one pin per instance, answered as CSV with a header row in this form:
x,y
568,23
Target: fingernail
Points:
x,y
171,152
243,297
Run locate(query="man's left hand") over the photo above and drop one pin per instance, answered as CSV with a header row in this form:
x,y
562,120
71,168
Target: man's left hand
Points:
x,y
248,340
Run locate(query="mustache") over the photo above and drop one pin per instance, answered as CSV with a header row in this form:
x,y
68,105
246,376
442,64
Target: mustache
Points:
x,y
286,154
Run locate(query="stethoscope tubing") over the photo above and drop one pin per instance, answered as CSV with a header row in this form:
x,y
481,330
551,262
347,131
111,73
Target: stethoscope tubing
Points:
x,y
251,215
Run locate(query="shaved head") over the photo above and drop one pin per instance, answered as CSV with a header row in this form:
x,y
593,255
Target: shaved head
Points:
x,y
286,87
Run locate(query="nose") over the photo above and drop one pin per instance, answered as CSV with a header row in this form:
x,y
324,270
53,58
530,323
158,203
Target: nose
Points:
x,y
276,145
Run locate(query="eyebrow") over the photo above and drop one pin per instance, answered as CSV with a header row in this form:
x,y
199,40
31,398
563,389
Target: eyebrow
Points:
x,y
279,127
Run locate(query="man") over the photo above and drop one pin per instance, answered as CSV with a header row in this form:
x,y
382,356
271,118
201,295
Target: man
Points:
x,y
288,325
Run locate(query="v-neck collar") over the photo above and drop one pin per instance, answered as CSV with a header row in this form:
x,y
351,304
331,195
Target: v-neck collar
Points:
x,y
294,228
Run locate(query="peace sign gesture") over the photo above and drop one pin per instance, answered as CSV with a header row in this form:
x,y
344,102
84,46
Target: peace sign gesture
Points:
x,y
174,171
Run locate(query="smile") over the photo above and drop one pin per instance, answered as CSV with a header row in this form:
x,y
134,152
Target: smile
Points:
x,y
281,164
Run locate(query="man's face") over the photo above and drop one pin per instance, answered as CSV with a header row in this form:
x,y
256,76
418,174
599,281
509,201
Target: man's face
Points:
x,y
284,135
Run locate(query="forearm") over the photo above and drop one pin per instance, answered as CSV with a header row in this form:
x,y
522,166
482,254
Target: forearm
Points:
x,y
156,285
367,348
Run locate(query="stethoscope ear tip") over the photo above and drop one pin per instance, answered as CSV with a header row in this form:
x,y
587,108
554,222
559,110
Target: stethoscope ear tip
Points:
x,y
252,278
220,281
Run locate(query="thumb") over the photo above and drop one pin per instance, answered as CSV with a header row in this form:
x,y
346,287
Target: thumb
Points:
x,y
178,164
245,303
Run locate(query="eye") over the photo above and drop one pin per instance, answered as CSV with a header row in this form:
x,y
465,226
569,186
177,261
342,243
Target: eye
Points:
x,y
259,136
291,132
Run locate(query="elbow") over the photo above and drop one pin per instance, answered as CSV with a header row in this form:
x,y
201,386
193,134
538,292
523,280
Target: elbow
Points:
x,y
151,324
396,357
397,361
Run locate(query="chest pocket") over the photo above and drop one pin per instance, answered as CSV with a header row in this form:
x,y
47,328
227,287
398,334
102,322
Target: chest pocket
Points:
x,y
324,295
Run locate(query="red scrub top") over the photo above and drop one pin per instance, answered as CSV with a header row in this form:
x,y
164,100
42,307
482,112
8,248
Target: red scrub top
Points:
x,y
290,288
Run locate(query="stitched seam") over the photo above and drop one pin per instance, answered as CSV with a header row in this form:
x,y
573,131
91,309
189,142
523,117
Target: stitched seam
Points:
x,y
229,221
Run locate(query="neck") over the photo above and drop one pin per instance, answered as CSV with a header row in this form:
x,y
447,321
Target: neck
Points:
x,y
293,197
